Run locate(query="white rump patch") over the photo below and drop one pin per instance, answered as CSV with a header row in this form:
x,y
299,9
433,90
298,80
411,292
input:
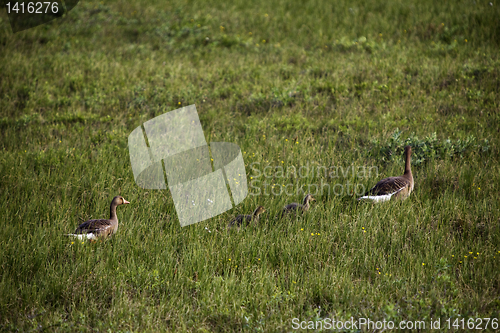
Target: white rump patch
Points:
x,y
380,198
83,236
377,198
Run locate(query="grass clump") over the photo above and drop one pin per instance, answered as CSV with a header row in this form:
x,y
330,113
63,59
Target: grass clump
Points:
x,y
428,148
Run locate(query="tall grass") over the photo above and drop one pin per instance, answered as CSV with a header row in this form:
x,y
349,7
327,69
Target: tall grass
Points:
x,y
340,84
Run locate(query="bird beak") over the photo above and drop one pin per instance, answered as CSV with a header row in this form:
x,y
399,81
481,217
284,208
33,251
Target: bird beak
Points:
x,y
125,201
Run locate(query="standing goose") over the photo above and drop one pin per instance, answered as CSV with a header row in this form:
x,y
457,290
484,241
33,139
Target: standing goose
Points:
x,y
238,220
92,229
399,187
294,207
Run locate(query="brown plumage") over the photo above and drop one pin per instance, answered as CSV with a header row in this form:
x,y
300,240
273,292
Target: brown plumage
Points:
x,y
294,207
398,187
92,229
238,220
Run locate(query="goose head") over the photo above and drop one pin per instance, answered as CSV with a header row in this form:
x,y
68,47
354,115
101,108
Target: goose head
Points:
x,y
119,200
308,198
259,210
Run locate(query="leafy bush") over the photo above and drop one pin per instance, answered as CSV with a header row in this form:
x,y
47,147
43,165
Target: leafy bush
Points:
x,y
427,148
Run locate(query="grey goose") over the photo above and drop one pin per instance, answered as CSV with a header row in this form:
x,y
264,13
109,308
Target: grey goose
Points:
x,y
93,229
397,187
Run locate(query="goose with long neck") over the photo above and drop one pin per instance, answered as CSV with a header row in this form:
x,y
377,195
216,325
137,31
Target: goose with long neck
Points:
x,y
238,220
397,187
93,229
294,207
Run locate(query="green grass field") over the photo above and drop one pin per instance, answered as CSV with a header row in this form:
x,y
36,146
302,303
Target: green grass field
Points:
x,y
344,84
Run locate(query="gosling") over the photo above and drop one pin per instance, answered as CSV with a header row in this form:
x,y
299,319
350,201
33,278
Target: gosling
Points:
x,y
238,220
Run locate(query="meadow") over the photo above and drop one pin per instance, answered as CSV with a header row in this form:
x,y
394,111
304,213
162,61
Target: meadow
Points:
x,y
342,84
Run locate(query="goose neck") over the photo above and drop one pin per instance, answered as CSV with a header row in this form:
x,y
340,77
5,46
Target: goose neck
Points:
x,y
408,163
112,211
